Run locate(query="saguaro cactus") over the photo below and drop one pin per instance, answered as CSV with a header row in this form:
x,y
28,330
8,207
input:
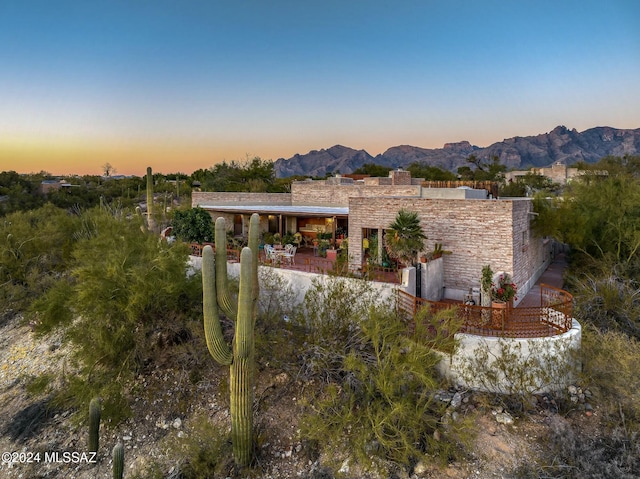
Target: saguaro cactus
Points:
x,y
95,410
118,460
151,224
241,358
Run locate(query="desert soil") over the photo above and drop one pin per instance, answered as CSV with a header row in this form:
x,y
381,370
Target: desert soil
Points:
x,y
179,406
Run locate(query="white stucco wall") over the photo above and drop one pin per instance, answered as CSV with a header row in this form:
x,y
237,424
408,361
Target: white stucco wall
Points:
x,y
300,281
550,362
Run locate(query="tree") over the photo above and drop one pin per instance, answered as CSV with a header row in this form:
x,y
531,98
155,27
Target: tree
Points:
x,y
193,225
405,238
373,170
107,169
528,185
484,170
430,173
598,216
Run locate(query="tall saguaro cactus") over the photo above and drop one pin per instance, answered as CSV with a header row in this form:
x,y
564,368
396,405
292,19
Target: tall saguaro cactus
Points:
x,y
151,224
215,289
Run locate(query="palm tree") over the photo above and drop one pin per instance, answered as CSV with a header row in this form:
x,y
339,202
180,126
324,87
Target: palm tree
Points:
x,y
405,238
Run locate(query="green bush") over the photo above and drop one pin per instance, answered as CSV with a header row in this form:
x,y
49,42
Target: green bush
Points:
x,y
608,301
610,446
193,225
130,299
35,250
383,410
331,313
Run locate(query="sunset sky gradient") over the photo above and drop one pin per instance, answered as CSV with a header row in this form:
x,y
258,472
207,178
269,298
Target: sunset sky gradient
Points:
x,y
181,85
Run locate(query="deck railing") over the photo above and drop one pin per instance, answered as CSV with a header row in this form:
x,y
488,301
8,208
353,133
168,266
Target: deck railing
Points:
x,y
233,255
552,317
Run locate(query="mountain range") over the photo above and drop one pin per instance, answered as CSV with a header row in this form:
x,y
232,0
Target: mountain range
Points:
x,y
520,152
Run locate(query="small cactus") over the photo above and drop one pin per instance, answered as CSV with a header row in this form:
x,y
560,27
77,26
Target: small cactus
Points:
x,y
118,460
95,410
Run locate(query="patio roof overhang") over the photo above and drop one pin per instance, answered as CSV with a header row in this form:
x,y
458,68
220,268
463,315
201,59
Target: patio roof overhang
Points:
x,y
309,211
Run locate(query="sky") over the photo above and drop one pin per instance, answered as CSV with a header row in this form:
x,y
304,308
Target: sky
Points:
x,y
182,85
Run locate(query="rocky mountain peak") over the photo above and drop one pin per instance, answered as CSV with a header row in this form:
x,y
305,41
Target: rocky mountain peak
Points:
x,y
560,144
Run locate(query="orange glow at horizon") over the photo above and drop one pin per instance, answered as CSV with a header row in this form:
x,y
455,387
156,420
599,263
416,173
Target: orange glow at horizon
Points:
x,y
126,158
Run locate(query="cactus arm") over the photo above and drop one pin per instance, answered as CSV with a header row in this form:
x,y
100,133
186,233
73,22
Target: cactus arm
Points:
x,y
242,374
222,284
244,328
254,244
218,348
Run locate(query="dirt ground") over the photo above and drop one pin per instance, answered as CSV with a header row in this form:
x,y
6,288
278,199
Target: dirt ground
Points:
x,y
40,441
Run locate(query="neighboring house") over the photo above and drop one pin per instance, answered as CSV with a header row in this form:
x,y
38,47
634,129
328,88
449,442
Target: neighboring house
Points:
x,y
47,186
558,173
478,231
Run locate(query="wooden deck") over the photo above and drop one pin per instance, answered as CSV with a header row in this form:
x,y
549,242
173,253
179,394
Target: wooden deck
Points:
x,y
551,318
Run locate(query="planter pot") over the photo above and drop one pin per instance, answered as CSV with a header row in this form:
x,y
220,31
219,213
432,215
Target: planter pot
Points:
x,y
498,314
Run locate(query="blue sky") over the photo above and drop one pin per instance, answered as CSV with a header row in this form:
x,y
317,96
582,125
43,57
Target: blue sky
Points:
x,y
181,85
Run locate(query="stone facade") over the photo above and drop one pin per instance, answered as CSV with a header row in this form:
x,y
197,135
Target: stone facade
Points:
x,y
319,193
202,198
477,232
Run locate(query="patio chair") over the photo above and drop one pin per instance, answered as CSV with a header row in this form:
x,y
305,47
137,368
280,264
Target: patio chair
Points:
x,y
270,254
289,254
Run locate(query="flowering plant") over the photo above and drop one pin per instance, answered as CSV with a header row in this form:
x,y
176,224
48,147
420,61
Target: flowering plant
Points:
x,y
505,290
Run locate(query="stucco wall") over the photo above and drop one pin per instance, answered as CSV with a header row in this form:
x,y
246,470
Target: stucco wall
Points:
x,y
300,281
552,356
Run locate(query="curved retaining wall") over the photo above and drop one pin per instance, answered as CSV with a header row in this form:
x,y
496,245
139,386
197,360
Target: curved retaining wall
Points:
x,y
514,365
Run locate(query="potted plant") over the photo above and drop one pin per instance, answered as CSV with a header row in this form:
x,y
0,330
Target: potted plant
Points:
x,y
505,290
438,251
486,281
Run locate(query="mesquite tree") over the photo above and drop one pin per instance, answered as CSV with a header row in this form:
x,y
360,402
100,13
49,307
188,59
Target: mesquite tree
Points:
x,y
240,359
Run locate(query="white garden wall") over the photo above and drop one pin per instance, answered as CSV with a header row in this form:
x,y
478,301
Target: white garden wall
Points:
x,y
514,365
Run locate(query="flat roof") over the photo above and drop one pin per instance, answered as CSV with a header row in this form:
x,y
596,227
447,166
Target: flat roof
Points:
x,y
281,210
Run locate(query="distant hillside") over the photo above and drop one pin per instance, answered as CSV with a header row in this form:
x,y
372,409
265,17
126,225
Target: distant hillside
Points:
x,y
561,144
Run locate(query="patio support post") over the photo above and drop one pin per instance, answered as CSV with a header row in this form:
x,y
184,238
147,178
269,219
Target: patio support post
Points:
x,y
333,231
380,244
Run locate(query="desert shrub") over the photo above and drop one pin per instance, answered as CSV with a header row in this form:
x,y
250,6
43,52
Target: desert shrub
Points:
x,y
331,314
276,337
35,249
608,301
613,449
205,452
383,410
129,297
610,371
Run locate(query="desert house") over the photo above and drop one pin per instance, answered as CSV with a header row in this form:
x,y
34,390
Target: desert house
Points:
x,y
475,227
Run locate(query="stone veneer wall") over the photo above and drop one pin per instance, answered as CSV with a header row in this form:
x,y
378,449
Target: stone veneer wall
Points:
x,y
531,255
318,193
239,198
477,232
